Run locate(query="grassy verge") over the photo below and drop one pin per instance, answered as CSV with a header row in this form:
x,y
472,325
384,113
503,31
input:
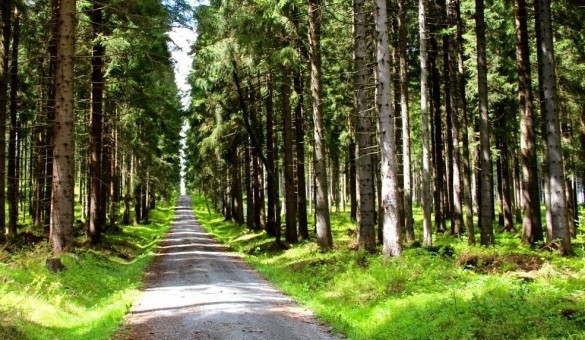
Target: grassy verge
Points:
x,y
452,291
86,301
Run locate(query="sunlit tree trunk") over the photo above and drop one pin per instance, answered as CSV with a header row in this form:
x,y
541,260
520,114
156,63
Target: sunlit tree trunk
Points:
x,y
557,205
392,243
323,222
426,171
63,152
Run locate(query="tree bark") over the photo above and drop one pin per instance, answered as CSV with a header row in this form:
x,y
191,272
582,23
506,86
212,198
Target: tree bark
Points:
x,y
531,221
63,152
322,219
96,113
5,26
486,177
366,235
289,175
13,161
392,243
557,205
426,171
300,156
271,176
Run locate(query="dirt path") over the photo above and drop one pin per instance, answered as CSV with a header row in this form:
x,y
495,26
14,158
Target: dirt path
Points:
x,y
195,289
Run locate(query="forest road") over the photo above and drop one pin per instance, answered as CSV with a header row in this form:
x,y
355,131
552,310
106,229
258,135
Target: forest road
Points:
x,y
196,289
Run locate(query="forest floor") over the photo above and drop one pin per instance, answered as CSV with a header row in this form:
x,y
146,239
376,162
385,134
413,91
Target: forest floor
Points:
x,y
196,289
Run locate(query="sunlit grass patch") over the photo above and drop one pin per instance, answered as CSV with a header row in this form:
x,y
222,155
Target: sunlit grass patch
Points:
x,y
506,291
90,298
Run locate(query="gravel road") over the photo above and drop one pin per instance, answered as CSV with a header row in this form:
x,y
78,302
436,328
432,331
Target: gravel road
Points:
x,y
196,289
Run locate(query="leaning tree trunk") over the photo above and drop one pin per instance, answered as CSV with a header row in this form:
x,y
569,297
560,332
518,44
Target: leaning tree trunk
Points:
x,y
558,229
96,113
323,222
424,78
392,243
366,211
486,177
63,153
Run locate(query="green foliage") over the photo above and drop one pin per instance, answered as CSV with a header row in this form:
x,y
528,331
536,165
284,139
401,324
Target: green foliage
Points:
x,y
86,301
425,294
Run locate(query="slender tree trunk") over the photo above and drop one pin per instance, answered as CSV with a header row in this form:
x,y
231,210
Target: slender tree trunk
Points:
x,y
323,222
249,189
300,136
289,175
5,26
13,173
365,184
557,205
486,177
404,108
531,221
426,171
127,188
271,176
392,243
95,143
63,152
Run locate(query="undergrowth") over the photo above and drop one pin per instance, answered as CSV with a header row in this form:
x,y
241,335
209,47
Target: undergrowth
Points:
x,y
451,291
90,298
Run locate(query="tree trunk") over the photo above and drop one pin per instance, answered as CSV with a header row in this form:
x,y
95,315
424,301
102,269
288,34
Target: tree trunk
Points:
x,y
5,26
486,177
289,175
63,152
300,136
366,234
95,143
322,220
426,171
404,111
13,173
271,176
127,188
392,243
557,205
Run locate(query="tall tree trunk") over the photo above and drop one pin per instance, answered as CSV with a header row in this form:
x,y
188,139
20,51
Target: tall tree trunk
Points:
x,y
365,183
557,205
486,177
392,243
437,130
456,113
531,221
404,111
300,148
465,162
249,189
5,26
424,78
96,113
289,175
322,219
127,188
63,152
271,176
13,173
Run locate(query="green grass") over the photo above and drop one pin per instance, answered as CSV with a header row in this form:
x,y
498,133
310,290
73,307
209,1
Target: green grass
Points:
x,y
86,301
507,291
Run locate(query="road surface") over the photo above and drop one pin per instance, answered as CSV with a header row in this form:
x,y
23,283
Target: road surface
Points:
x,y
196,289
